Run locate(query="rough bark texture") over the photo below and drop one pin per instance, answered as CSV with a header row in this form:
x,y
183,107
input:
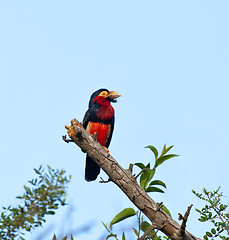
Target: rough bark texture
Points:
x,y
124,179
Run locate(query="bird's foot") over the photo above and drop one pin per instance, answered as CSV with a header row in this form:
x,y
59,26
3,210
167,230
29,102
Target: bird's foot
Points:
x,y
108,153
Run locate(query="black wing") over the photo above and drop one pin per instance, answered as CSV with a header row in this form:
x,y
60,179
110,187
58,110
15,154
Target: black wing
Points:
x,y
111,132
91,169
86,119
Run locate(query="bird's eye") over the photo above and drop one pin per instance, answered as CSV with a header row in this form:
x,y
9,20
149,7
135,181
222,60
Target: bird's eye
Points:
x,y
103,94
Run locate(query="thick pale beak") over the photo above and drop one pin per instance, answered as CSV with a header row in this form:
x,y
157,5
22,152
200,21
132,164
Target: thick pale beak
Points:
x,y
113,95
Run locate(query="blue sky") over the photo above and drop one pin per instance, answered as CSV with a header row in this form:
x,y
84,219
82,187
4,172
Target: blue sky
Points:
x,y
168,59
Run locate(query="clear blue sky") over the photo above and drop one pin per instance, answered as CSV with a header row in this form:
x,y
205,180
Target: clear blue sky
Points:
x,y
168,59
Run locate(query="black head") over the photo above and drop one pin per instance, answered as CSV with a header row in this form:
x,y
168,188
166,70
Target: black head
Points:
x,y
103,92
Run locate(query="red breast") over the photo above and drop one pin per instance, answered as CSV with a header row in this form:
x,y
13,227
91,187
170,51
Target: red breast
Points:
x,y
102,130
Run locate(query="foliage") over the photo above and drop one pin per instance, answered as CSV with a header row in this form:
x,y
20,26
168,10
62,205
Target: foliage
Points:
x,y
215,212
146,175
127,212
111,234
43,198
142,225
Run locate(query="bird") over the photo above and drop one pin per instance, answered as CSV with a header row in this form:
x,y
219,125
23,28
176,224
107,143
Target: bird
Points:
x,y
99,119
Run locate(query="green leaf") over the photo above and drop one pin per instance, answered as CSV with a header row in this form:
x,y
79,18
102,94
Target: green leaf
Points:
x,y
222,207
136,232
148,166
154,189
157,182
145,226
54,237
72,237
105,225
165,150
160,160
37,171
205,237
166,210
213,230
197,210
152,148
141,165
27,189
208,234
126,213
123,236
111,235
145,178
50,212
202,219
64,238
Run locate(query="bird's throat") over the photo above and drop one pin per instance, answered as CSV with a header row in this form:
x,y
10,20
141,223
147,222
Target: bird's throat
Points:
x,y
105,113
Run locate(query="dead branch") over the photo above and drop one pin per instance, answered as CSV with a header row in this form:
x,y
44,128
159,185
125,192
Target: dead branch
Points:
x,y
184,220
66,140
126,182
105,181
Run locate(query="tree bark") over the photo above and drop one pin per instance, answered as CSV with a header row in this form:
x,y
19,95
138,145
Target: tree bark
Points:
x,y
124,179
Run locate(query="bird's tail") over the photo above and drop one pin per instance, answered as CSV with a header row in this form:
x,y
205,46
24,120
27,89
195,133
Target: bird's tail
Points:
x,y
91,170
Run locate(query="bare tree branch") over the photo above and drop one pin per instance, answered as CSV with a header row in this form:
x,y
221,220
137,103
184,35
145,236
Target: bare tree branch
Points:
x,y
185,219
126,182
